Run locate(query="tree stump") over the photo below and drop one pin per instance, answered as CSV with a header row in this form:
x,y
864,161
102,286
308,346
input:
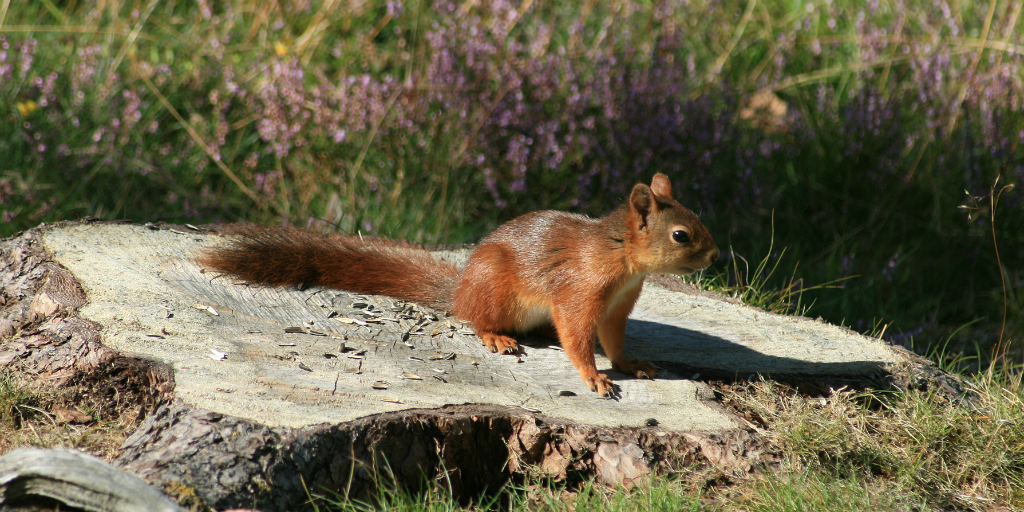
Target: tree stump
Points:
x,y
265,393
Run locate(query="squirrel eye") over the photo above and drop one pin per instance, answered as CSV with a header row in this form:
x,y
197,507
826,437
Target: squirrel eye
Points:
x,y
680,237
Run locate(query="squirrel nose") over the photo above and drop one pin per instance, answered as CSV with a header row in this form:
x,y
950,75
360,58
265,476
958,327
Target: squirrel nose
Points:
x,y
713,256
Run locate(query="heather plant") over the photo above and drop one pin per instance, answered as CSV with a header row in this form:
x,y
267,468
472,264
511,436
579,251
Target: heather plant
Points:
x,y
857,127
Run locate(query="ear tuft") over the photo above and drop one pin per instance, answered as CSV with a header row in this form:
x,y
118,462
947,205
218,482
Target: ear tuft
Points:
x,y
642,202
661,186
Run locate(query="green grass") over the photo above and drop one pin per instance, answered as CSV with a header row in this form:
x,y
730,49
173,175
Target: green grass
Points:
x,y
819,491
16,401
660,494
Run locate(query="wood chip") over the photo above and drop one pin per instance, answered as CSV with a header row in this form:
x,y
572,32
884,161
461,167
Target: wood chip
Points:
x,y
217,355
204,307
353,321
380,384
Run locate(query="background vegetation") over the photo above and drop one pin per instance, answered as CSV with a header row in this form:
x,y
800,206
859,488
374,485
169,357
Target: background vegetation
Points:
x,y
847,132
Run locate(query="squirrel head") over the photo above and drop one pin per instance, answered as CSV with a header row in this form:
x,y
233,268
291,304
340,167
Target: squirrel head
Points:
x,y
666,237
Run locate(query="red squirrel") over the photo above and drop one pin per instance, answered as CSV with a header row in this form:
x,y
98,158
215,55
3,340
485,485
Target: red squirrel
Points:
x,y
579,274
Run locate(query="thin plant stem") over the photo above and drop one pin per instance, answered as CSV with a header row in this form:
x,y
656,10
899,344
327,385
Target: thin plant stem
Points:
x,y
1000,351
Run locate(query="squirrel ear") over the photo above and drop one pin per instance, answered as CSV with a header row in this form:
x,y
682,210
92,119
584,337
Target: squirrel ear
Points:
x,y
642,202
661,186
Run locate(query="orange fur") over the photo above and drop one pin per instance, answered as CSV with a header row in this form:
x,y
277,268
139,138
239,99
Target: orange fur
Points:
x,y
579,274
284,256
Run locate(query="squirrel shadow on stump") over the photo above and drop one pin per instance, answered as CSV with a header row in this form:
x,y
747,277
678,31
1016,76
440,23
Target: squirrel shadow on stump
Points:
x,y
733,362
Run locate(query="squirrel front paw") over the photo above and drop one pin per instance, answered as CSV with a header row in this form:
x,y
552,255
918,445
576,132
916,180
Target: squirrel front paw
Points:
x,y
638,369
601,384
499,343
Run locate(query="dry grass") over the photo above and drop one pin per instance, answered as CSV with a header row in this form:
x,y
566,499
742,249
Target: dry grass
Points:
x,y
875,450
33,417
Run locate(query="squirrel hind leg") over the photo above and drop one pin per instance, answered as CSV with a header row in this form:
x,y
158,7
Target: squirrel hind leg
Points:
x,y
499,343
638,369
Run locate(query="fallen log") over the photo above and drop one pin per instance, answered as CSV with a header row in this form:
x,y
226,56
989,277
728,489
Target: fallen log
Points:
x,y
75,479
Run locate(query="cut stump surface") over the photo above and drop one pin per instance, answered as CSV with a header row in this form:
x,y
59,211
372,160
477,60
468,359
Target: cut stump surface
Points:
x,y
298,358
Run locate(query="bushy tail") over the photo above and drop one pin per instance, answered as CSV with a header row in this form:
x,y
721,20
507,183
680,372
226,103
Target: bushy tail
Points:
x,y
283,256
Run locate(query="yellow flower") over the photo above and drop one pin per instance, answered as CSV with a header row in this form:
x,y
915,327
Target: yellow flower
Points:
x,y
26,107
280,49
